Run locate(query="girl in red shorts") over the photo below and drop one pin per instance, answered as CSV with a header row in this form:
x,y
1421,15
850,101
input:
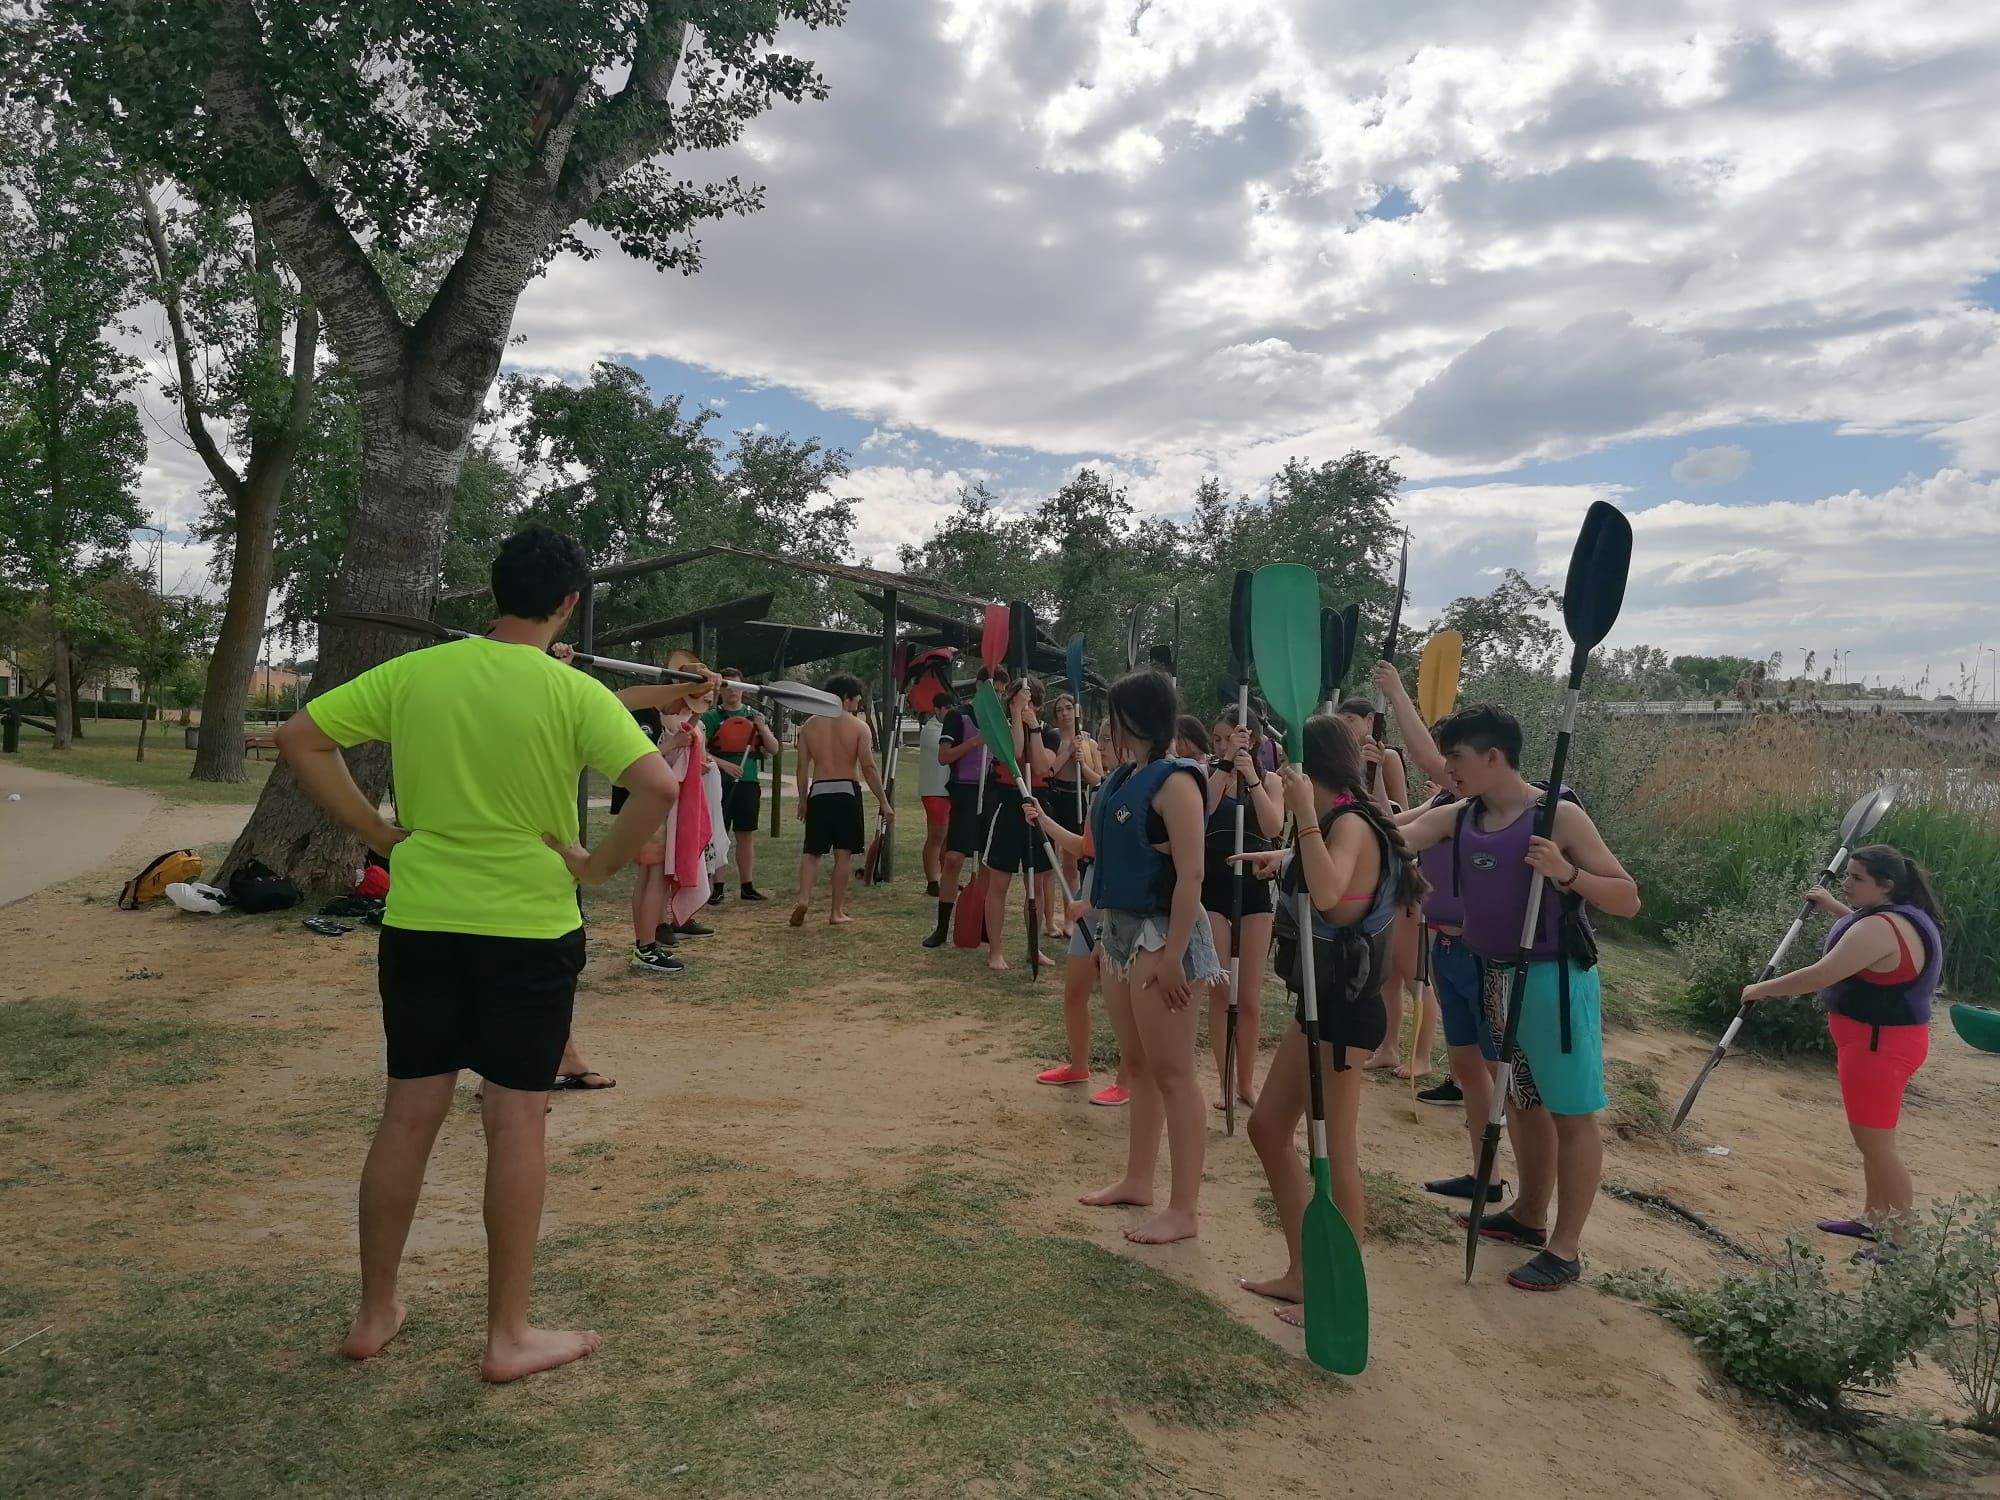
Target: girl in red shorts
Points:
x,y
1881,967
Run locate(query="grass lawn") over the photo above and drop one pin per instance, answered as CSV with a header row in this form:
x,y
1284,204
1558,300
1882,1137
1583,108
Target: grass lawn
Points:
x,y
108,752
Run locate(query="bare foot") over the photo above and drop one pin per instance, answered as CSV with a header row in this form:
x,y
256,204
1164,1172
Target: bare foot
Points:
x,y
1285,1288
1378,1062
1247,1096
1292,1317
798,917
1138,1194
537,1349
371,1332
1405,1071
1042,961
839,919
997,964
1163,1229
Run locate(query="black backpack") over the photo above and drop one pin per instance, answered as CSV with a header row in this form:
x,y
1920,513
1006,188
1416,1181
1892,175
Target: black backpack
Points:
x,y
256,887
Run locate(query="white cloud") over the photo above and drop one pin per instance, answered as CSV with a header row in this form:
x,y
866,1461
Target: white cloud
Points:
x,y
1712,465
895,505
1903,578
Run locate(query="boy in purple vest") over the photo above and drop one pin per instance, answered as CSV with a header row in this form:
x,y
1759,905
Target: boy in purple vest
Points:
x,y
1553,1106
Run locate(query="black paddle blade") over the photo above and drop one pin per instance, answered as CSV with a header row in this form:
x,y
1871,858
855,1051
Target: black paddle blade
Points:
x,y
1239,627
1021,635
1163,657
1350,625
1396,608
408,624
1489,1154
1694,1089
1594,591
1332,650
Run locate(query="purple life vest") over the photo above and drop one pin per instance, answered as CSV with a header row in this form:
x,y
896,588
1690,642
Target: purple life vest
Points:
x,y
1490,875
970,768
1879,1005
1442,907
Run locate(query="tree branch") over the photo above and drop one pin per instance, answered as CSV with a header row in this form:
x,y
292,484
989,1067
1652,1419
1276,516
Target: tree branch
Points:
x,y
219,469
294,206
633,123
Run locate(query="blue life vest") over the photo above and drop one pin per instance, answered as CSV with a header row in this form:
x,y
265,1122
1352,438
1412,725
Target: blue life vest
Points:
x,y
1132,875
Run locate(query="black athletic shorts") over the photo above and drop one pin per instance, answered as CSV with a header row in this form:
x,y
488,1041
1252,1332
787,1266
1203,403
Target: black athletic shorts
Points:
x,y
1218,890
741,802
1059,801
965,831
833,820
1013,841
1360,1022
497,1005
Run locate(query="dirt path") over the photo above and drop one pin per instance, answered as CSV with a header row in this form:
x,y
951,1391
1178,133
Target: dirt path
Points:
x,y
64,826
1471,1387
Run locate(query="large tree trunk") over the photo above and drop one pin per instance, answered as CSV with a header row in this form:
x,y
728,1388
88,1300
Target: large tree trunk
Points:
x,y
61,700
219,753
413,448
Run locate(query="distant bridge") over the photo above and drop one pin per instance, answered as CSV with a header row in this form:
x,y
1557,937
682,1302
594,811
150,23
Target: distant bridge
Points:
x,y
1716,711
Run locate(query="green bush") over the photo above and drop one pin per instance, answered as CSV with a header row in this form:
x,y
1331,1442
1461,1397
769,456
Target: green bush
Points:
x,y
1969,1351
1790,1333
1726,950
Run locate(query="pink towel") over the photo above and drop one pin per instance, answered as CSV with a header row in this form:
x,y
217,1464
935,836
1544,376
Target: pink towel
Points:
x,y
688,867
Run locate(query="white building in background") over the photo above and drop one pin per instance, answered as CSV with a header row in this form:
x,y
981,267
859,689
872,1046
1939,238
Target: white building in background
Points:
x,y
116,685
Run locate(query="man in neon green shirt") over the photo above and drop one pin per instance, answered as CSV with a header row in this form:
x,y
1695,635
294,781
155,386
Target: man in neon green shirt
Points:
x,y
482,940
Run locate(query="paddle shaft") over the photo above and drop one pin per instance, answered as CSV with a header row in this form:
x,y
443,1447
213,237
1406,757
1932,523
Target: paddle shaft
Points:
x,y
1770,970
1531,921
1235,926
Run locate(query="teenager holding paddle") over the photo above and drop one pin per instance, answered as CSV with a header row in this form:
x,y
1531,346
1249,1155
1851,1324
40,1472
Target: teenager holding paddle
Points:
x,y
1073,769
1881,968
1229,768
1352,864
1010,851
1495,856
1388,786
1155,949
962,752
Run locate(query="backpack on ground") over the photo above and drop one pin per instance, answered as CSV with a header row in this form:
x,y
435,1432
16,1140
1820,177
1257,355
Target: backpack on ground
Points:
x,y
256,887
152,882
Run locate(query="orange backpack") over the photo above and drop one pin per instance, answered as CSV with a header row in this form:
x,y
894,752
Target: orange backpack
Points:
x,y
152,882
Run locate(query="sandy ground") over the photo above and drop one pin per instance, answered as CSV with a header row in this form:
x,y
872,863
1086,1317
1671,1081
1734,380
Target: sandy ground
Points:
x,y
61,826
1470,1386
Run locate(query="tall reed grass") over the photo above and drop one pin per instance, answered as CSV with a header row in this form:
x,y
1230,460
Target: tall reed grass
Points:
x,y
1718,817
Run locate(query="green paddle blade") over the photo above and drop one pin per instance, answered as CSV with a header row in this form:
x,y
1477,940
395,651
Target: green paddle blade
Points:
x,y
1336,1283
1284,646
995,729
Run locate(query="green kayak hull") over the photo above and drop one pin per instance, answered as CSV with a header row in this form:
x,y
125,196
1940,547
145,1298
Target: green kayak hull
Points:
x,y
1979,1026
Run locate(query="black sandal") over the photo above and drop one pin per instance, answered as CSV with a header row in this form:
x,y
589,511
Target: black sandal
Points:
x,y
1547,1272
1507,1229
582,1081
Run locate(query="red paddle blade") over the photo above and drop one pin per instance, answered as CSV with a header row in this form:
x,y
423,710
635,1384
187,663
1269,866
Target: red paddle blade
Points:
x,y
993,637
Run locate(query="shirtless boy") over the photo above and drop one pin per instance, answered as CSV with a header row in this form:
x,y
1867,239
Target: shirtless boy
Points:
x,y
835,756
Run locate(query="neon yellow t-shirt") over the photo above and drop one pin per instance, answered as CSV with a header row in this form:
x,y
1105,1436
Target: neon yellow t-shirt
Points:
x,y
488,739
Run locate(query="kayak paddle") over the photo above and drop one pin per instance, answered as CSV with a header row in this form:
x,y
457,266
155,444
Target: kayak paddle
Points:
x,y
1073,675
1437,675
1239,669
1332,655
796,696
1593,593
968,918
1132,625
1389,648
994,726
1285,653
1856,826
1021,622
1437,691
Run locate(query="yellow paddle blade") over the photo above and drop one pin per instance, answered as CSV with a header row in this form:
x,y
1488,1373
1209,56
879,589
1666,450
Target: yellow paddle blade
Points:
x,y
1437,675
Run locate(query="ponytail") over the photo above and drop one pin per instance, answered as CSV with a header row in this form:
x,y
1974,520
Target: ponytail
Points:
x,y
1909,883
1333,761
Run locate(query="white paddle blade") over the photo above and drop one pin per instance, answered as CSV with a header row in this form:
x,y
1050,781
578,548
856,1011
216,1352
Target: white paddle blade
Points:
x,y
1865,814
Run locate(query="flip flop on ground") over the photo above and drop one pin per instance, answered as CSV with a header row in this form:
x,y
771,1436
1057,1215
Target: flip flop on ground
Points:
x,y
589,1079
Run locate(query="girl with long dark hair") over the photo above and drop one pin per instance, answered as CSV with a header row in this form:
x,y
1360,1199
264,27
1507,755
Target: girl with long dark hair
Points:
x,y
1352,860
1156,951
1876,980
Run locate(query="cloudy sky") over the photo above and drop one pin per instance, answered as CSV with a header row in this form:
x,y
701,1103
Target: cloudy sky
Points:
x,y
1741,276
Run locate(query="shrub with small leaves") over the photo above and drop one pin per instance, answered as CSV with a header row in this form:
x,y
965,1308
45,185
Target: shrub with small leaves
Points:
x,y
1727,949
1791,1333
1969,1351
